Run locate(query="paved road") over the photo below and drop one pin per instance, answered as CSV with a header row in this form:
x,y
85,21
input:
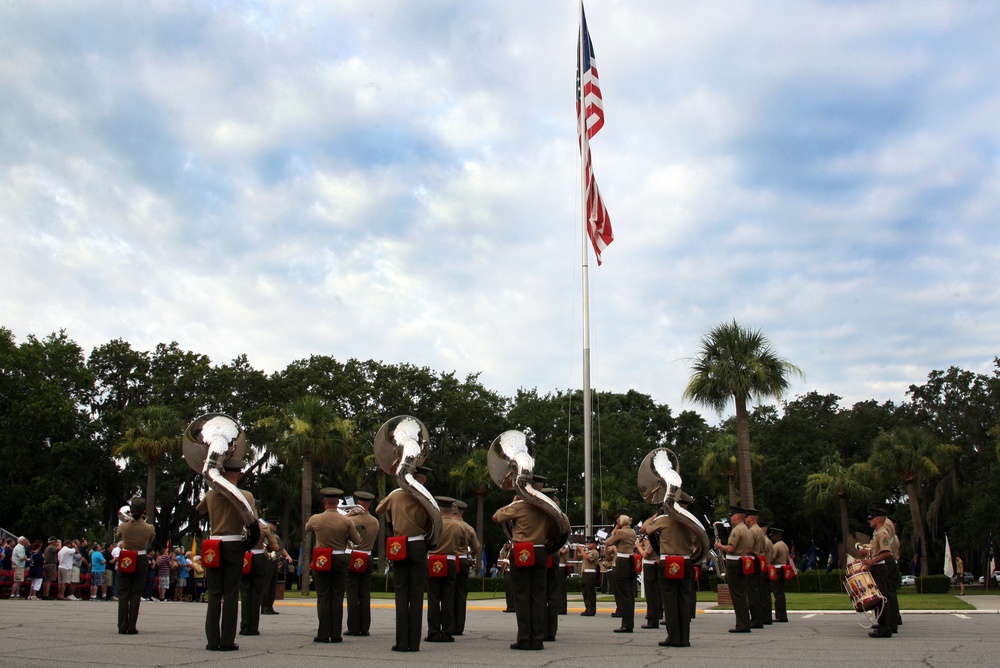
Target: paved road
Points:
x,y
45,633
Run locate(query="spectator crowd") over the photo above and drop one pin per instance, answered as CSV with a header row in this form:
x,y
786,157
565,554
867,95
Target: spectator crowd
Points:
x,y
76,570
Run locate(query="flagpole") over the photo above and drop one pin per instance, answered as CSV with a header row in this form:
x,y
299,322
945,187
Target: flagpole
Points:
x,y
588,474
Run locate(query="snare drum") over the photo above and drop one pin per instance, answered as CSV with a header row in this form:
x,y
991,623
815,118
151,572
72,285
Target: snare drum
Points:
x,y
861,587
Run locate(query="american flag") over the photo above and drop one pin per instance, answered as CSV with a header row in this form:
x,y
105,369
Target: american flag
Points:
x,y
590,115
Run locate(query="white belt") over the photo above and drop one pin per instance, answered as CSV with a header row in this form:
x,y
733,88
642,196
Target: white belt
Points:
x,y
589,570
228,539
368,552
338,551
414,538
452,557
732,558
138,551
624,556
649,561
261,551
563,565
664,556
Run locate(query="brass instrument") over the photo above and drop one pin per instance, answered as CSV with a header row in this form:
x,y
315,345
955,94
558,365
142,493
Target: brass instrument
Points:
x,y
401,445
208,443
717,556
125,513
510,468
659,482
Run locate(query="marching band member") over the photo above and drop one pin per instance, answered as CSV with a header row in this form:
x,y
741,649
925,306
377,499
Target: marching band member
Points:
x,y
622,538
136,535
468,553
442,574
332,531
359,573
736,548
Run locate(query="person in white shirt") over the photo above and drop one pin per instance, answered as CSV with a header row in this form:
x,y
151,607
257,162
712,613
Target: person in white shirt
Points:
x,y
66,553
19,560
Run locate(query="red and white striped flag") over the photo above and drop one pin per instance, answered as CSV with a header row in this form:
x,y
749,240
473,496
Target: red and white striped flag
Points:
x,y
590,115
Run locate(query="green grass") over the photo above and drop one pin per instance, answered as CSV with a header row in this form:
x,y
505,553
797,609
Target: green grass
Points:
x,y
908,600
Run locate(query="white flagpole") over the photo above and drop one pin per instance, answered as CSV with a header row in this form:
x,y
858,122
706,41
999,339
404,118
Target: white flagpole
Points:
x,y
588,474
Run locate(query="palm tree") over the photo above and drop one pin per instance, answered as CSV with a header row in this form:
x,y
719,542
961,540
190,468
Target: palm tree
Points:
x,y
738,363
837,483
473,474
313,433
910,455
720,462
151,433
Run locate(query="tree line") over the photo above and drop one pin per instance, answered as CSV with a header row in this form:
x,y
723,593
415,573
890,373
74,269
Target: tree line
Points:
x,y
82,433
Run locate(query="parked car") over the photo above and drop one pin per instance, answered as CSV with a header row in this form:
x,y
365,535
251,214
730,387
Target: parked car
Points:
x,y
996,576
909,580
967,576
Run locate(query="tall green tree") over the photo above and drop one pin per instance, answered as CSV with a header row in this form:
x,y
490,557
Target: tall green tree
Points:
x,y
738,364
313,432
912,456
152,434
837,484
719,464
472,474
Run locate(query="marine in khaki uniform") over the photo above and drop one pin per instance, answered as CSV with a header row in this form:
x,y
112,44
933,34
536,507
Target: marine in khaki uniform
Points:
x,y
738,546
780,562
359,584
880,562
503,561
271,573
136,535
252,584
529,524
469,550
409,576
622,538
331,530
441,577
648,546
764,583
758,549
590,569
223,583
677,587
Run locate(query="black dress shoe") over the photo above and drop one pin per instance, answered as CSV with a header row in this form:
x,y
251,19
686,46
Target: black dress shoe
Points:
x,y
131,632
352,633
397,648
879,634
517,645
318,639
650,626
509,610
587,614
550,638
249,633
456,633
268,612
616,614
536,646
739,630
622,629
757,626
781,620
226,648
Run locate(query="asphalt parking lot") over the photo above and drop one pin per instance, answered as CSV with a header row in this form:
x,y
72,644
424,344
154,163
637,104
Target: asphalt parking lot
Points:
x,y
48,633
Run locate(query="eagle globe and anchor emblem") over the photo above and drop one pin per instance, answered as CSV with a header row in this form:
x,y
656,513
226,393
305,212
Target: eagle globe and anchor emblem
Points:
x,y
524,556
674,569
126,564
359,563
321,561
438,567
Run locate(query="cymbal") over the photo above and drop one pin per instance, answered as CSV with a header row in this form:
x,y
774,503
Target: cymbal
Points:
x,y
853,540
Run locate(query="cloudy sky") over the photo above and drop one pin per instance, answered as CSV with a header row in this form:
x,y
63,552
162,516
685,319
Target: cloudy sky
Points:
x,y
399,180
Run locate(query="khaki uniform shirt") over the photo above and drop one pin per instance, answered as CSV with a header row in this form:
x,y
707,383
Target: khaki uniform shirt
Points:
x,y
758,545
451,537
469,542
675,539
223,514
894,547
740,538
368,528
780,554
136,534
591,560
623,540
530,523
333,529
881,541
407,516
